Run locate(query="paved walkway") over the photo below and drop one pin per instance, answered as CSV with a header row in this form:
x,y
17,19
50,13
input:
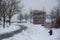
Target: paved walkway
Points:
x,y
7,35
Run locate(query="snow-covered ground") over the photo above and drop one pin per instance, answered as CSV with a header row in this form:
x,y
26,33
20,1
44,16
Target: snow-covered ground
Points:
x,y
35,32
8,29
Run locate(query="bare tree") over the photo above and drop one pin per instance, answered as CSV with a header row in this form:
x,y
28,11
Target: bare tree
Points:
x,y
13,8
53,18
0,5
8,9
55,13
3,11
20,17
26,17
31,16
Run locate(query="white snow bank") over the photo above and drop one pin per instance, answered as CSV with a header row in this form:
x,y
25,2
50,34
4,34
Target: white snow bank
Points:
x,y
8,29
15,18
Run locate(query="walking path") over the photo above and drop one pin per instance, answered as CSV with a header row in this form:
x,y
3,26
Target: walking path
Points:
x,y
7,35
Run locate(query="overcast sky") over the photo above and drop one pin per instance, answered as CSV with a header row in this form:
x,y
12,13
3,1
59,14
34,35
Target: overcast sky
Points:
x,y
39,4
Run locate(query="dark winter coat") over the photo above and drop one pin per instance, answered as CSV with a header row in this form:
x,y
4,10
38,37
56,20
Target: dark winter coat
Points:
x,y
50,32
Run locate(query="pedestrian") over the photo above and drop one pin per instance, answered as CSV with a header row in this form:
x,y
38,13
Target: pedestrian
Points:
x,y
50,32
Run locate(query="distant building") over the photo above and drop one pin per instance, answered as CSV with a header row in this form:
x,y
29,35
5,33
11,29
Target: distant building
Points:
x,y
38,16
57,25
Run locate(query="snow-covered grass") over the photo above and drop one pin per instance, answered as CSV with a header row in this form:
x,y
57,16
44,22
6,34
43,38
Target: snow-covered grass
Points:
x,y
35,32
8,29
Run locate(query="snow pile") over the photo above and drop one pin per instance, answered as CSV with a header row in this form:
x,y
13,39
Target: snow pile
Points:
x,y
8,29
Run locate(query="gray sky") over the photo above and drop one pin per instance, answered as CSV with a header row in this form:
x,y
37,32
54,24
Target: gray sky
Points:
x,y
39,4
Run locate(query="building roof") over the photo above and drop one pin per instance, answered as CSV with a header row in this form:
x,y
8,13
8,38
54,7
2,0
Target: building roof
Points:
x,y
38,11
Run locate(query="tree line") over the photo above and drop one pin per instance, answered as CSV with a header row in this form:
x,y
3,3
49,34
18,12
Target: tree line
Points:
x,y
8,8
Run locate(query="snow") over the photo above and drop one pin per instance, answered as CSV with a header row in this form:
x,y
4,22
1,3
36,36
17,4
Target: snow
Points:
x,y
15,18
48,20
8,29
35,32
56,34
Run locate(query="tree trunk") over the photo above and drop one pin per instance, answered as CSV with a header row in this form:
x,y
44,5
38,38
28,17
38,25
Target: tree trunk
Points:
x,y
4,22
20,20
9,20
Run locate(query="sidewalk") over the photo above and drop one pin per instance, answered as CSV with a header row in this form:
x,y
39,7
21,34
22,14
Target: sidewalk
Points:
x,y
10,34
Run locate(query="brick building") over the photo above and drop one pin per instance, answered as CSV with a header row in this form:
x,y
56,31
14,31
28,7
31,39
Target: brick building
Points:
x,y
38,16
